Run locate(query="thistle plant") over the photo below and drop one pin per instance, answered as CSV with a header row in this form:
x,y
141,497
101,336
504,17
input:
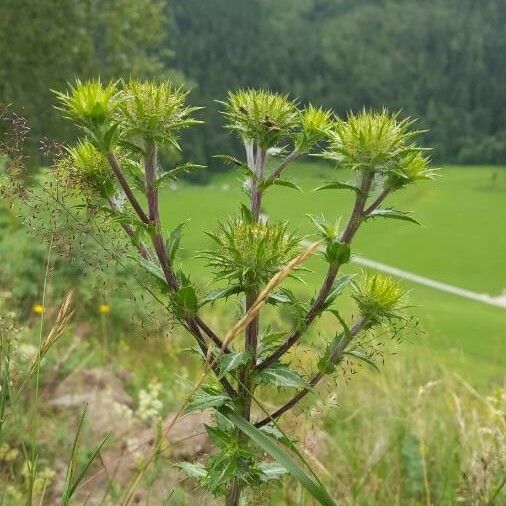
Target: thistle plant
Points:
x,y
123,126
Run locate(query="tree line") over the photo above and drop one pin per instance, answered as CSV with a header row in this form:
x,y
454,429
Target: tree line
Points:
x,y
440,60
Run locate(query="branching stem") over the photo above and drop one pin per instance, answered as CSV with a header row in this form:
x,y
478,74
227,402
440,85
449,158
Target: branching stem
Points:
x,y
335,359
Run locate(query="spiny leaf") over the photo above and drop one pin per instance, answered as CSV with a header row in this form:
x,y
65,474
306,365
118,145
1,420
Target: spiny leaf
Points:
x,y
231,361
222,293
196,471
392,213
338,287
315,488
280,182
272,471
153,268
218,436
360,355
207,398
173,241
232,160
280,375
338,185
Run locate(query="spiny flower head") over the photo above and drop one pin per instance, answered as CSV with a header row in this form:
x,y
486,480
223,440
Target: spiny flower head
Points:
x,y
315,125
370,140
260,116
89,102
154,112
251,253
378,298
87,167
410,168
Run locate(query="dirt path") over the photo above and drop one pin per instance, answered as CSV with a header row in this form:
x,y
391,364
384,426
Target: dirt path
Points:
x,y
499,301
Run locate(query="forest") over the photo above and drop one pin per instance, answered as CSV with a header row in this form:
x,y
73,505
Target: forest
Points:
x,y
441,61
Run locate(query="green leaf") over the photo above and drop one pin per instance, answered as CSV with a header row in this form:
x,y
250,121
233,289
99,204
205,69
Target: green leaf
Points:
x,y
218,436
337,252
231,361
279,297
222,293
232,160
207,397
392,213
326,365
171,175
185,167
280,375
246,214
280,182
272,471
185,299
273,431
153,268
361,355
110,137
324,228
338,185
172,243
266,443
71,484
269,341
196,471
338,287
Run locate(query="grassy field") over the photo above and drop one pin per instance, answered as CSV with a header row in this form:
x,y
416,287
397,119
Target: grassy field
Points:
x,y
461,242
427,430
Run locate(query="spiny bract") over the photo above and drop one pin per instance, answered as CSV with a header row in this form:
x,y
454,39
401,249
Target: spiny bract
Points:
x,y
315,125
88,169
409,169
378,298
89,101
370,140
155,112
260,116
250,254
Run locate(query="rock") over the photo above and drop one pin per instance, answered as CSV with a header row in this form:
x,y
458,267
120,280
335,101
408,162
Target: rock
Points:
x,y
131,442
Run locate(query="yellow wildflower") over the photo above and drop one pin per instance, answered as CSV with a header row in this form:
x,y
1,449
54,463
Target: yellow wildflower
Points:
x,y
38,308
104,308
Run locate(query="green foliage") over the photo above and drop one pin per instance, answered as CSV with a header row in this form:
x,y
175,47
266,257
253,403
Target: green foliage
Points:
x,y
370,140
137,113
410,169
54,40
249,254
378,298
260,116
268,119
87,168
315,125
392,214
280,375
208,397
154,112
90,102
314,487
125,126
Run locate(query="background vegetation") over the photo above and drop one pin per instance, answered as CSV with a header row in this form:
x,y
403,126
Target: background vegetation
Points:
x,y
437,436
440,61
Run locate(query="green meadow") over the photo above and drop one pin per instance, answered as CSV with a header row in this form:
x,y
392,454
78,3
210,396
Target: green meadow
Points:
x,y
459,242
